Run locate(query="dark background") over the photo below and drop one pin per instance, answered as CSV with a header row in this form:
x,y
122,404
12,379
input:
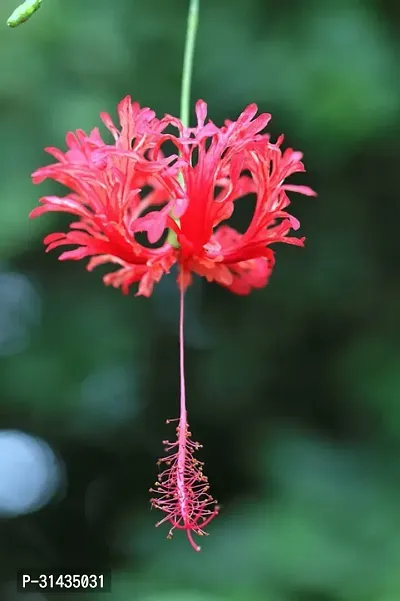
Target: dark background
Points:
x,y
294,390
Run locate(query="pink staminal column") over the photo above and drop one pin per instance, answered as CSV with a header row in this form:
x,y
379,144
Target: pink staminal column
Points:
x,y
182,488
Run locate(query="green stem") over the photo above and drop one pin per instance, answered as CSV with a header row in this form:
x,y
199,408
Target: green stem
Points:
x,y
192,24
191,31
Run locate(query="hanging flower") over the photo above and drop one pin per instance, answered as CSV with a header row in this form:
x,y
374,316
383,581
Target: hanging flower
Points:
x,y
121,189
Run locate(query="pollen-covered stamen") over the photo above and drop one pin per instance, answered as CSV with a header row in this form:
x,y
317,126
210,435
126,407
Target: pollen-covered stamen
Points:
x,y
182,488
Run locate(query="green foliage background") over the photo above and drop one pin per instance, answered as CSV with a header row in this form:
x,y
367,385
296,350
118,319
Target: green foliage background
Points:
x,y
295,390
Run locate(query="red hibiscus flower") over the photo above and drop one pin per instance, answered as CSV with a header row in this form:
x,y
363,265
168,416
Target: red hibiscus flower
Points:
x,y
130,186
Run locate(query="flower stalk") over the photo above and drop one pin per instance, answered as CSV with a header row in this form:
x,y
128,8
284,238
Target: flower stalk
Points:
x,y
191,32
187,73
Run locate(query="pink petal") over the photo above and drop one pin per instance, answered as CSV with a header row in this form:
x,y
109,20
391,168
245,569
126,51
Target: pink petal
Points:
x,y
299,189
153,224
201,112
75,255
